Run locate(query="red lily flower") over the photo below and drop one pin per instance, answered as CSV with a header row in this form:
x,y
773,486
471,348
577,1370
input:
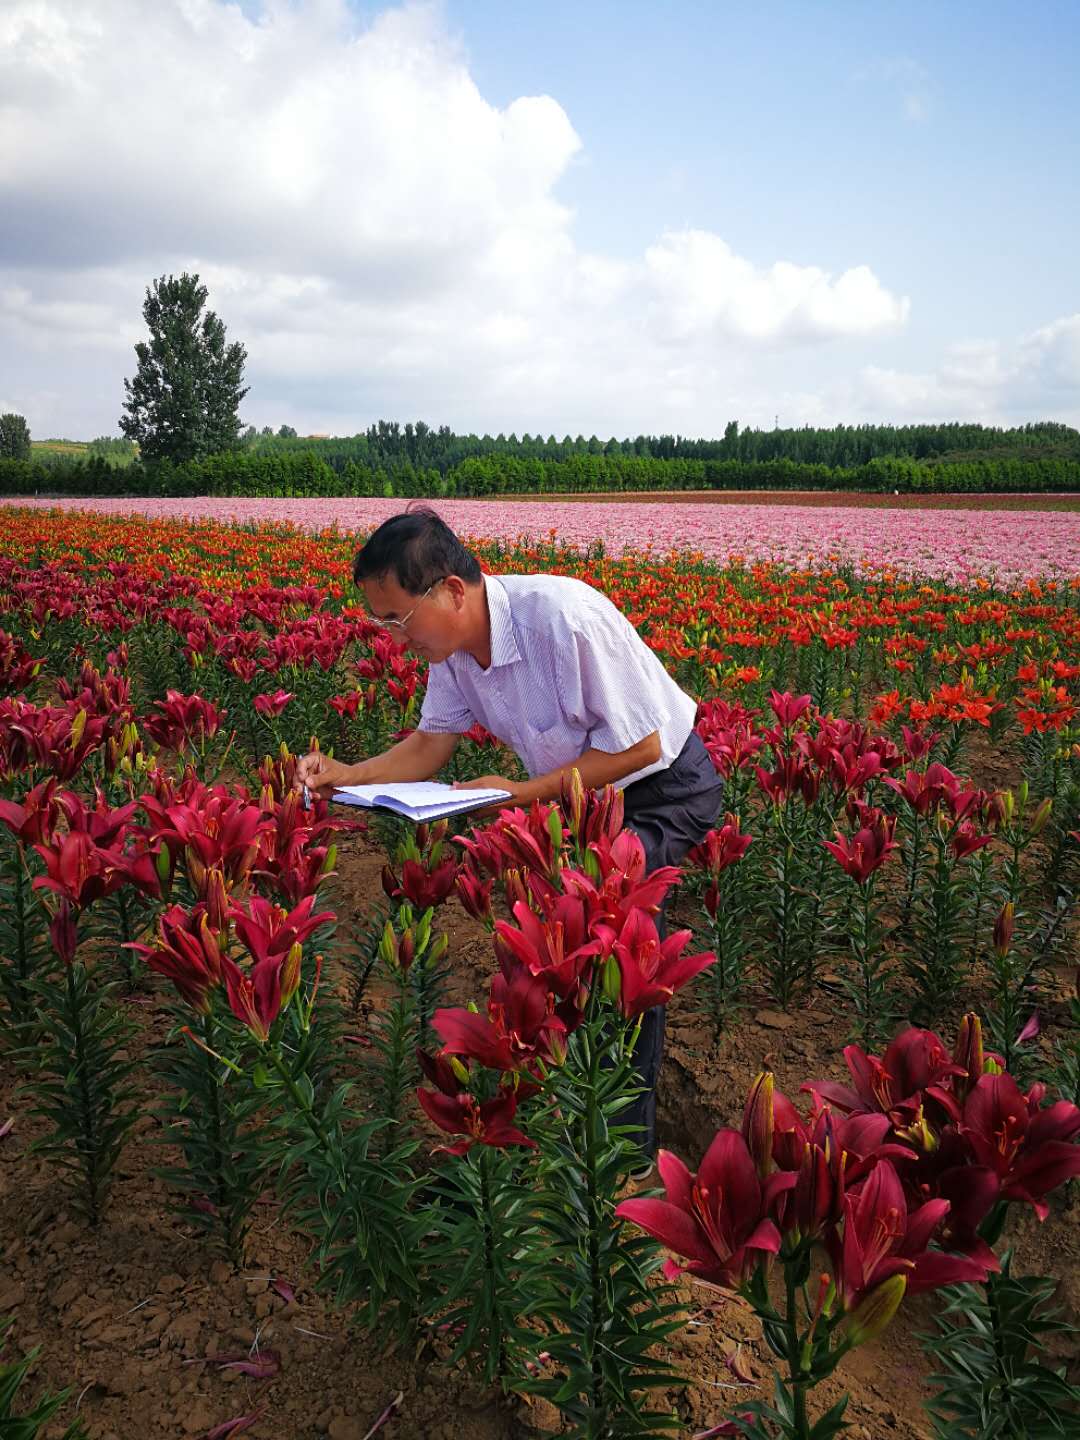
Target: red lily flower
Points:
x,y
273,702
917,1060
867,850
717,1220
255,999
521,1026
484,1122
966,839
1030,1150
268,931
185,720
651,969
187,952
558,947
474,892
880,1239
422,887
78,870
788,708
926,790
721,848
31,821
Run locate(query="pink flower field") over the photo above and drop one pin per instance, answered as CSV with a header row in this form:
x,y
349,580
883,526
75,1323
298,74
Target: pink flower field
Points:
x,y
953,545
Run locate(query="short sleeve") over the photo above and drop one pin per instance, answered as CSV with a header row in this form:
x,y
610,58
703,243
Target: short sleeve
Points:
x,y
444,711
609,685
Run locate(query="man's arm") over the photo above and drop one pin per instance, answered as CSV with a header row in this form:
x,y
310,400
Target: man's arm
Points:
x,y
596,767
418,757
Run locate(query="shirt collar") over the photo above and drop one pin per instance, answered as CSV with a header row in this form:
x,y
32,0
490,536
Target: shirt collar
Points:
x,y
504,648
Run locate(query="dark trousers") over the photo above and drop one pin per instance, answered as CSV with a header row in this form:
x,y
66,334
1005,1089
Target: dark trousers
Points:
x,y
671,811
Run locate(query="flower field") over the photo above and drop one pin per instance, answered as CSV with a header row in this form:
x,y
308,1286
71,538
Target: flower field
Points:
x,y
311,1125
957,546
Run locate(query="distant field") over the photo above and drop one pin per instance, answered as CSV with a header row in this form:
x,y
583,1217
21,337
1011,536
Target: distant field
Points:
x,y
75,449
955,544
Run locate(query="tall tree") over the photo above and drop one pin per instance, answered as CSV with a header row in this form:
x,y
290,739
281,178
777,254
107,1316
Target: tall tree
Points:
x,y
14,437
183,402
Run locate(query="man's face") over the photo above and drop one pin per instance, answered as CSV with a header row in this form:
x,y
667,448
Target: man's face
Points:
x,y
431,621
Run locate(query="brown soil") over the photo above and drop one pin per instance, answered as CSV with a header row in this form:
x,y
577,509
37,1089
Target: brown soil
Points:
x,y
121,1311
854,499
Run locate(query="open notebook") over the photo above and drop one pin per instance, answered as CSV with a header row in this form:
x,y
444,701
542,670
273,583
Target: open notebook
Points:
x,y
418,799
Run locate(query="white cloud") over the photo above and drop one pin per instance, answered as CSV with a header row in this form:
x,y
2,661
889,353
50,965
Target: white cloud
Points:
x,y
382,237
1034,377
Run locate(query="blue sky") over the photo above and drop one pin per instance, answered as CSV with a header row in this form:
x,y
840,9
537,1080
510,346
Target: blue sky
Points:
x,y
940,142
605,217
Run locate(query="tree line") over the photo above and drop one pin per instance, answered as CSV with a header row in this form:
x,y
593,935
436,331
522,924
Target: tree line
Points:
x,y
305,473
182,435
388,444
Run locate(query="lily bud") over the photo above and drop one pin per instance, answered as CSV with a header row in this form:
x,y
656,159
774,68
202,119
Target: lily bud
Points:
x,y
163,864
968,1050
459,1069
406,949
875,1311
757,1126
576,802
290,973
1003,930
217,899
1040,818
63,932
514,883
78,726
611,979
388,945
712,901
423,931
438,949
555,830
196,871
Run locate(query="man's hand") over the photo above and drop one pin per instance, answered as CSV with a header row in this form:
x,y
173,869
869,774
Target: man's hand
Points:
x,y
321,774
493,782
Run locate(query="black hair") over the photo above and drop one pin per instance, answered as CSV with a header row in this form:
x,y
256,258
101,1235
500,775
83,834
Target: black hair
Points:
x,y
417,548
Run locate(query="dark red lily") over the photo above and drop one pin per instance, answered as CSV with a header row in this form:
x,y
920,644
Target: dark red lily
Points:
x,y
183,721
881,1239
651,970
273,702
483,1122
917,1060
557,947
1031,1150
31,821
716,1220
520,1027
187,952
861,854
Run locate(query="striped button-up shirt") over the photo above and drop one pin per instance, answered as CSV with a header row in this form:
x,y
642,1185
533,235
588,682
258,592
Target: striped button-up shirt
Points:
x,y
568,673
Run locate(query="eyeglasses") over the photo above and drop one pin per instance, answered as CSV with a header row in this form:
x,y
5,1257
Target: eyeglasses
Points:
x,y
403,622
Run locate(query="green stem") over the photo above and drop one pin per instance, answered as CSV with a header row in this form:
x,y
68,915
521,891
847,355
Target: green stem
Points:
x,y
496,1340
223,1197
310,1118
21,1006
87,1143
597,1396
794,1357
1010,1433
914,868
